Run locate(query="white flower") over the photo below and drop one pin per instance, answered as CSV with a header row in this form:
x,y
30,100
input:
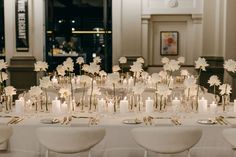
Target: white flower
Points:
x,y
45,82
68,64
214,81
97,60
61,70
172,65
113,78
3,64
123,60
190,82
155,78
102,73
225,89
145,75
64,92
184,72
4,77
138,89
80,60
165,60
85,79
163,90
201,64
93,68
140,60
85,67
35,91
181,60
40,66
96,91
136,67
115,68
163,74
10,90
230,65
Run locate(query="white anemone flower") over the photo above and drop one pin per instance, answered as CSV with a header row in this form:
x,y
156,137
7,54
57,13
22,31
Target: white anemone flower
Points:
x,y
214,81
201,64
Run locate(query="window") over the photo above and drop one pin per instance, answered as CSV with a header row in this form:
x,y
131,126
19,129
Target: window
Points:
x,y
78,28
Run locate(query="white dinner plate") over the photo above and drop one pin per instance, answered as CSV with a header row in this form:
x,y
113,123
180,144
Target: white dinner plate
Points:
x,y
206,121
49,121
132,121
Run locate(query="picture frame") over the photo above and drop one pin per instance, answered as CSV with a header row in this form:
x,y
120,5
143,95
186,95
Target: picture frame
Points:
x,y
169,43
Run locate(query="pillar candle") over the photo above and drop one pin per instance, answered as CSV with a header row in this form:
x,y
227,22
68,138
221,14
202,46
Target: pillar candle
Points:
x,y
54,80
64,107
101,105
56,106
124,106
110,107
149,105
131,81
213,107
175,104
202,105
19,105
234,105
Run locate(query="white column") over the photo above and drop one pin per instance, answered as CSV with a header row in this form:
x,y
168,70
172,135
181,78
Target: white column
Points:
x,y
145,26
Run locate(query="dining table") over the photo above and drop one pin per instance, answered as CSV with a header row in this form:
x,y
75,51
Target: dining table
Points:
x,y
118,141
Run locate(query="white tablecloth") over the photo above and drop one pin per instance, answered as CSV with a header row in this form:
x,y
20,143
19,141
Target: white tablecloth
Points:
x,y
118,141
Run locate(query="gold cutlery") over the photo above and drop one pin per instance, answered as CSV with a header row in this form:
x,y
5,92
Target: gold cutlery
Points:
x,y
150,120
219,121
159,117
145,120
176,121
63,120
68,120
173,121
18,120
13,119
222,119
73,116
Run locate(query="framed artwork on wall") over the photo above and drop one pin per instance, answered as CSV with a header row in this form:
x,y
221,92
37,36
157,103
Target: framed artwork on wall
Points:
x,y
169,45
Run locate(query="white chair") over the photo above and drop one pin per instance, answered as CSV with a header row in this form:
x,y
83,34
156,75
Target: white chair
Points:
x,y
230,137
67,140
5,134
167,140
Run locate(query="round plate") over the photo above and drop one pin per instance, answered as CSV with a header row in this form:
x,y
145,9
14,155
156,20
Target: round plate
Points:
x,y
206,121
49,121
132,121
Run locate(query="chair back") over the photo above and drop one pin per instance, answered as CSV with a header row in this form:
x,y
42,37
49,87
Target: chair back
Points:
x,y
167,140
5,133
69,140
230,136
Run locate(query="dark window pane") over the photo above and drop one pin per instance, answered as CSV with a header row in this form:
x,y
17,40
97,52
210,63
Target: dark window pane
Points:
x,y
78,28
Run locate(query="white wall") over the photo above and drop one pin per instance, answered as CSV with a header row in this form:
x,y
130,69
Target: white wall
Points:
x,y
36,29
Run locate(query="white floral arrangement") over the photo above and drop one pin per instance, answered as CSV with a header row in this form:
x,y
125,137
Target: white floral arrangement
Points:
x,y
93,68
3,64
155,78
3,77
163,90
40,66
214,81
122,60
61,71
68,65
45,82
102,73
35,91
184,72
230,65
84,79
113,78
80,60
136,67
64,93
201,64
225,89
172,65
115,68
140,60
10,91
97,60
